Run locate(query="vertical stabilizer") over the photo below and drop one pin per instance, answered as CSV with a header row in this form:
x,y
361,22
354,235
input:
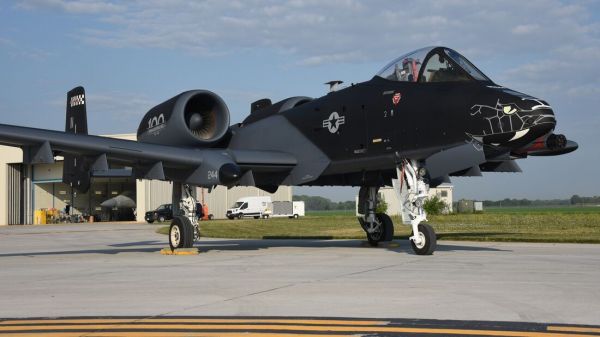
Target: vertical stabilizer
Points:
x,y
76,171
76,112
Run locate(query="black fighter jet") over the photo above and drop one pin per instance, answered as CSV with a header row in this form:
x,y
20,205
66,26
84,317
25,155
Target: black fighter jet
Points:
x,y
426,116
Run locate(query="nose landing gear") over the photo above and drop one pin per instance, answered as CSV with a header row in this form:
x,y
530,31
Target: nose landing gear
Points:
x,y
423,239
411,190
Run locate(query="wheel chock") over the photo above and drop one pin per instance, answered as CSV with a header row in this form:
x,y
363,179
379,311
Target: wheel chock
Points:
x,y
180,251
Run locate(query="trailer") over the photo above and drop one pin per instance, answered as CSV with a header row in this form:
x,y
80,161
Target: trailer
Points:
x,y
290,209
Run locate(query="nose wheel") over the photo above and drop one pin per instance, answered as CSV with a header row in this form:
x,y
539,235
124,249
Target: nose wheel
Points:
x,y
412,190
425,240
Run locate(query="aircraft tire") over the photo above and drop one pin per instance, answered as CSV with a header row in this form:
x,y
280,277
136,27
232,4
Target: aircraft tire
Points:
x,y
385,233
181,233
387,226
429,245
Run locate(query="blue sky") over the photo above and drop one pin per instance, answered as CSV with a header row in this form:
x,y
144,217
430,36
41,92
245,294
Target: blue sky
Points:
x,y
132,55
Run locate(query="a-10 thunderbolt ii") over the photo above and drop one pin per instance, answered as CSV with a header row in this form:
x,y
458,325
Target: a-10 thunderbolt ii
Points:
x,y
427,115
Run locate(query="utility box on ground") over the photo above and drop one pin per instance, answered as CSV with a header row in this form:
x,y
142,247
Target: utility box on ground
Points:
x,y
465,206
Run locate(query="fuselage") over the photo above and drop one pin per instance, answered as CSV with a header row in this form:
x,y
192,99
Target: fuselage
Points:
x,y
368,126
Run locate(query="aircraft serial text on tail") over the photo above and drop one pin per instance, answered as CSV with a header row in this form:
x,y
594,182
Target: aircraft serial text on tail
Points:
x,y
426,116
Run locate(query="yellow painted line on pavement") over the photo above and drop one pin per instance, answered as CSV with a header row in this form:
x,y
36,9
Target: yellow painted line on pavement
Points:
x,y
165,334
573,329
283,328
196,320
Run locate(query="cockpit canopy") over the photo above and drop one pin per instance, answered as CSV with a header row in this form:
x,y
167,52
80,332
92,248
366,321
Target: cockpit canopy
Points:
x,y
432,64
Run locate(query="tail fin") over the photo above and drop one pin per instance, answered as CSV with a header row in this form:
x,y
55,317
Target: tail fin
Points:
x,y
76,112
75,170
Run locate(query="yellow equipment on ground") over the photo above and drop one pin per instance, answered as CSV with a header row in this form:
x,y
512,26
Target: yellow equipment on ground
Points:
x,y
40,217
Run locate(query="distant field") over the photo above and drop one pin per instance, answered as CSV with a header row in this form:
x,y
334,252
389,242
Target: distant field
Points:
x,y
544,209
561,224
331,212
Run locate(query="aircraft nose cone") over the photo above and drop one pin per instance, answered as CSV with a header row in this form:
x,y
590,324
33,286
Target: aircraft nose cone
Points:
x,y
538,116
538,121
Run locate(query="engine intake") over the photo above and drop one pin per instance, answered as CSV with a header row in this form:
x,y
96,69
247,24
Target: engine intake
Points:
x,y
192,118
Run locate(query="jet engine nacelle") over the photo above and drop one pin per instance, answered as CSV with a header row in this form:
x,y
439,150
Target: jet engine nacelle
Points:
x,y
192,118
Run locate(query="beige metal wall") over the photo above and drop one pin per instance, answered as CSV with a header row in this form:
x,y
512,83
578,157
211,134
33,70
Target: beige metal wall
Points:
x,y
14,193
8,155
150,195
393,203
45,172
220,199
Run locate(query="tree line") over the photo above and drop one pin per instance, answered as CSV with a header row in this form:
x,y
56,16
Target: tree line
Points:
x,y
314,203
574,200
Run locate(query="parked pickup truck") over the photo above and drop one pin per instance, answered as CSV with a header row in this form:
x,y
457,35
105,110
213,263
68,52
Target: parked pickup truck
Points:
x,y
161,214
165,212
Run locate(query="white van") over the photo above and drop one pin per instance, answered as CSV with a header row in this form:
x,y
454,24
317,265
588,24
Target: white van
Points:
x,y
256,207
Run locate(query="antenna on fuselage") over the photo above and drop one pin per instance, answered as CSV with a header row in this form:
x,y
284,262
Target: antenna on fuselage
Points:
x,y
334,85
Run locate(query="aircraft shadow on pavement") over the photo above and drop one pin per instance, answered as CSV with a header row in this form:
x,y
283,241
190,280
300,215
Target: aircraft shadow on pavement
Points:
x,y
399,246
130,247
249,245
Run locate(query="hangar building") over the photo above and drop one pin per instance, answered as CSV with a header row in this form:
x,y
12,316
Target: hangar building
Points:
x,y
26,188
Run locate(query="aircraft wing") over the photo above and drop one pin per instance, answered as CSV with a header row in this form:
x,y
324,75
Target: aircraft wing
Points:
x,y
196,166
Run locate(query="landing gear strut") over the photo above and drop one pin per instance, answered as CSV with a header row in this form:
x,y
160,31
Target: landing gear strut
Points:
x,y
423,239
378,226
184,228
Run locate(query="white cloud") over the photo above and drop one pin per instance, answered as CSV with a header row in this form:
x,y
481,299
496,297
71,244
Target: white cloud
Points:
x,y
73,6
310,29
550,44
525,29
6,42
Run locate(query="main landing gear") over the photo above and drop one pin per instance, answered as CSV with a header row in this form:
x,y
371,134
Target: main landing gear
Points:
x,y
378,226
184,228
411,190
